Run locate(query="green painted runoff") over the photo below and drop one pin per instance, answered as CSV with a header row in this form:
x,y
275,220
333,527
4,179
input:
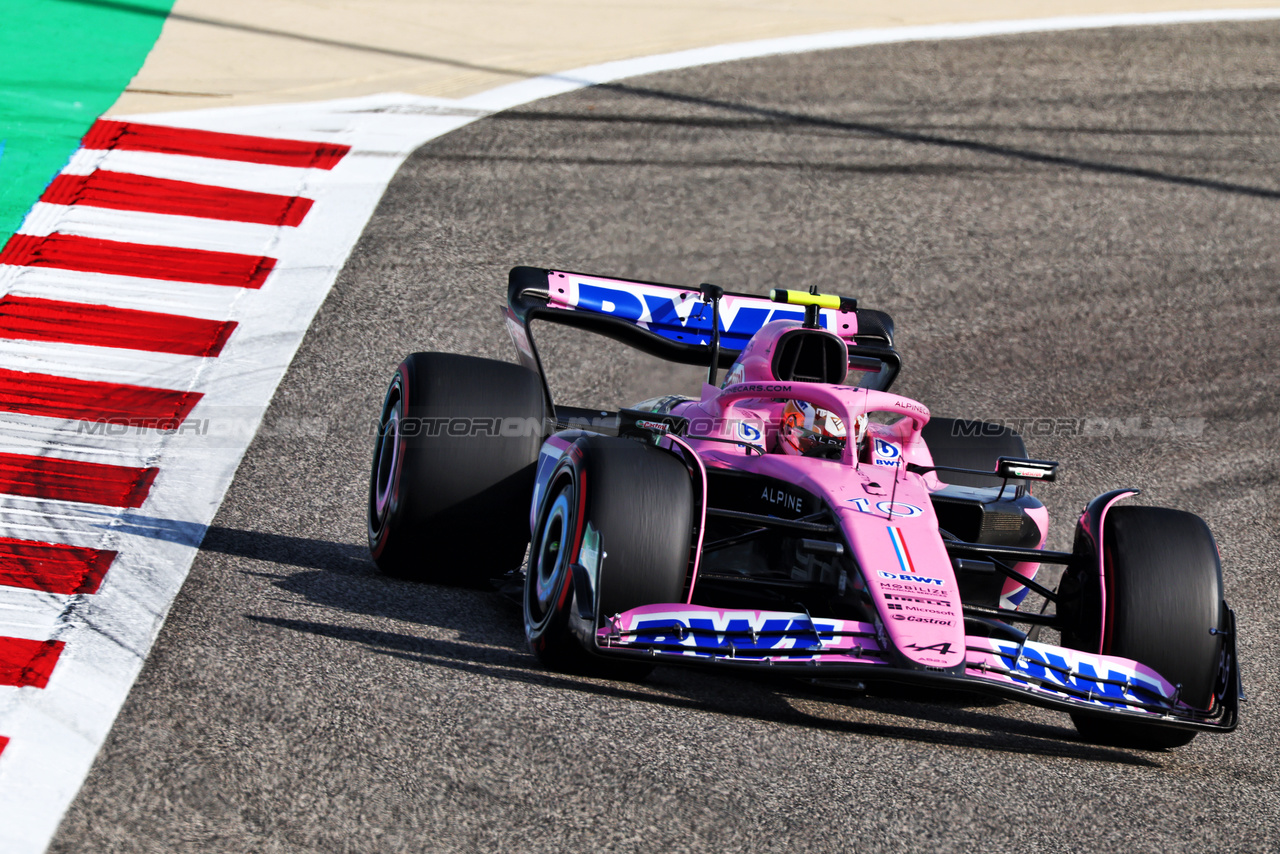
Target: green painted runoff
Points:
x,y
62,64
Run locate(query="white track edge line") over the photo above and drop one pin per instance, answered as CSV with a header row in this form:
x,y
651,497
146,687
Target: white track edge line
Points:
x,y
55,734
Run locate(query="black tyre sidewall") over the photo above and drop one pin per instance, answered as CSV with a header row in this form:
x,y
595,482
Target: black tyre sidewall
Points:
x,y
547,627
459,499
1164,594
640,501
388,463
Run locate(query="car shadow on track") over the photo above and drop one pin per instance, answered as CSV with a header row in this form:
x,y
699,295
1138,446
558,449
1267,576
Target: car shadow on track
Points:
x,y
725,696
342,577
486,640
302,552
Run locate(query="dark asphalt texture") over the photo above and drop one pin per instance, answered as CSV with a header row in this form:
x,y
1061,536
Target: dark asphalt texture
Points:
x,y
1080,231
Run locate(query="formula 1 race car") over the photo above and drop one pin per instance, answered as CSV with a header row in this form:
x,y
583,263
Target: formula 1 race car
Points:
x,y
797,518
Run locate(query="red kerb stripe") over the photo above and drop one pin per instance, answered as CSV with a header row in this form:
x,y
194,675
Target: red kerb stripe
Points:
x,y
71,480
52,567
31,319
130,136
85,400
27,663
170,263
124,192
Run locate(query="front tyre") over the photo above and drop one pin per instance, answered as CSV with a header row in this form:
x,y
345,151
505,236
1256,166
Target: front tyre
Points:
x,y
636,502
453,468
1164,609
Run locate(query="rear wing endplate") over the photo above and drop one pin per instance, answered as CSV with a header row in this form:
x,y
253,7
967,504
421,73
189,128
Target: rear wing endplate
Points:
x,y
673,322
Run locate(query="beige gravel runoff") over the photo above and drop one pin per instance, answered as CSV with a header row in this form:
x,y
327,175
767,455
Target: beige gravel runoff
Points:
x,y
220,53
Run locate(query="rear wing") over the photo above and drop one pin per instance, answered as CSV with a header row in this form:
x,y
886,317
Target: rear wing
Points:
x,y
673,322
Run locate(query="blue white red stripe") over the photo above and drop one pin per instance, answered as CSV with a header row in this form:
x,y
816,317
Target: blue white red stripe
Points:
x,y
900,549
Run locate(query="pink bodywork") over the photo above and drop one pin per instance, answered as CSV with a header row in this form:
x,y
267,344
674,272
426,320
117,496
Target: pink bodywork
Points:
x,y
884,510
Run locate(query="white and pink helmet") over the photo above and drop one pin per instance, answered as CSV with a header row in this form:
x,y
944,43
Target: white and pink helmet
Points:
x,y
810,431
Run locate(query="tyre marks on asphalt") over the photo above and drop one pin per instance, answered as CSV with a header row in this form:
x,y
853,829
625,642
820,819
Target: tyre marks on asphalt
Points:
x,y
295,156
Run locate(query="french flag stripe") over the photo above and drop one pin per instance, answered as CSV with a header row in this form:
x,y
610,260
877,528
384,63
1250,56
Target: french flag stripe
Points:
x,y
900,549
125,192
52,567
85,400
131,136
27,663
72,480
33,319
169,263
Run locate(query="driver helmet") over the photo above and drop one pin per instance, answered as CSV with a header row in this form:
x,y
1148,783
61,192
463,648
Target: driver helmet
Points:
x,y
809,431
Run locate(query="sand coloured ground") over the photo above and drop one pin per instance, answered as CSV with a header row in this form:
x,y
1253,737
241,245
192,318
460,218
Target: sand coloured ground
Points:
x,y
220,53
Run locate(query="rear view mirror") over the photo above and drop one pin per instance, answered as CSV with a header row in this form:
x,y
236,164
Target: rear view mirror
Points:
x,y
1012,467
865,363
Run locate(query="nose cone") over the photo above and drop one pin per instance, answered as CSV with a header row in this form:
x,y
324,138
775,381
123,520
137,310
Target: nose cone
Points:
x,y
907,572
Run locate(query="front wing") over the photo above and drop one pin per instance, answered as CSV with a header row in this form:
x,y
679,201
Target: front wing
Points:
x,y
1045,675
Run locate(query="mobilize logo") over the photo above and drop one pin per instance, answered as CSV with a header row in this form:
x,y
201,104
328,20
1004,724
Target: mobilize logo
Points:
x,y
908,588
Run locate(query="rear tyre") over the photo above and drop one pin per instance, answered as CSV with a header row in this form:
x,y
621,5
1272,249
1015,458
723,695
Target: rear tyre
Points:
x,y
636,502
453,468
1164,596
971,445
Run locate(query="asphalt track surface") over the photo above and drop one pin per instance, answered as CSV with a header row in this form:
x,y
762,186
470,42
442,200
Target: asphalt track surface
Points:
x,y
1077,227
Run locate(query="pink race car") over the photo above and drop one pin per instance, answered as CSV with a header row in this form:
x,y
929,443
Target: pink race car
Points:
x,y
796,517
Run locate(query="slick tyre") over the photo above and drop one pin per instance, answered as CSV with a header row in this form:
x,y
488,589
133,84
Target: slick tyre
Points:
x,y
971,445
632,505
453,468
1164,607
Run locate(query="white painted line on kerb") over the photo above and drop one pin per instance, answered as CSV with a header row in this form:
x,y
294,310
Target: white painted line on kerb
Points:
x,y
55,732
